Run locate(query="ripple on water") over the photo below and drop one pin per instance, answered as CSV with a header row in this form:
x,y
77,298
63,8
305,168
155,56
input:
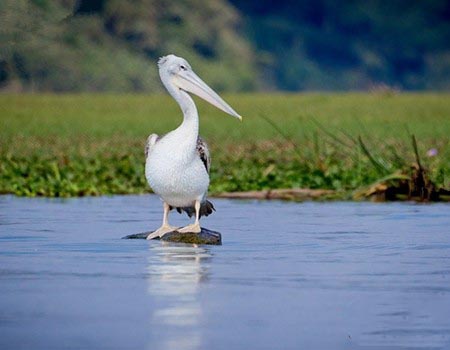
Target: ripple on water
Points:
x,y
288,275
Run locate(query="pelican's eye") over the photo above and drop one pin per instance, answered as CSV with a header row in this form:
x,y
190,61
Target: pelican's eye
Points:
x,y
183,67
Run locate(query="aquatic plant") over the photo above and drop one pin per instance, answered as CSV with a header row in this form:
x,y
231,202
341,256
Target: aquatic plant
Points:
x,y
78,145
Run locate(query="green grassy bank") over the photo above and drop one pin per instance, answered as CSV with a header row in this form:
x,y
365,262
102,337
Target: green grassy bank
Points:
x,y
72,145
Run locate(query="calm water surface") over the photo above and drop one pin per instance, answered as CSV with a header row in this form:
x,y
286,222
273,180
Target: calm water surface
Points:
x,y
288,276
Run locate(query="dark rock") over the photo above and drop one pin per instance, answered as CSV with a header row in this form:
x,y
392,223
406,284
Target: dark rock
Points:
x,y
142,235
204,237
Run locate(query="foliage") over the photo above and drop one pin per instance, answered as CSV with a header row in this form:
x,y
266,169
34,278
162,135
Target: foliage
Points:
x,y
46,46
330,45
75,145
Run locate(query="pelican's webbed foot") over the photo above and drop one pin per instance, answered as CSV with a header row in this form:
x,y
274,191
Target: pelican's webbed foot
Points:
x,y
193,228
162,231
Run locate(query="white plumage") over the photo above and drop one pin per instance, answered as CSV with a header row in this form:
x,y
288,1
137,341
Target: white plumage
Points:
x,y
177,164
175,171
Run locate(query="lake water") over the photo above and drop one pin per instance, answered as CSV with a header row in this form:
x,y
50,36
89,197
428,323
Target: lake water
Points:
x,y
288,276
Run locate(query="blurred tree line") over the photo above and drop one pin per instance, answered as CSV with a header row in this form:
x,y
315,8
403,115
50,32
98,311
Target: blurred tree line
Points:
x,y
113,45
352,44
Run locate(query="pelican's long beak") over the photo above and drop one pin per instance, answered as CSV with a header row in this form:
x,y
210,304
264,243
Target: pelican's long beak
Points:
x,y
190,82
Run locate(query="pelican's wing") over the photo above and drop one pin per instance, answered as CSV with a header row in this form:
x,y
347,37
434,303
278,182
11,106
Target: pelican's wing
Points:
x,y
206,207
151,140
203,152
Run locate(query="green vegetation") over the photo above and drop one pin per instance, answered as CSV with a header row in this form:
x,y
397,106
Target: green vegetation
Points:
x,y
335,45
71,45
72,145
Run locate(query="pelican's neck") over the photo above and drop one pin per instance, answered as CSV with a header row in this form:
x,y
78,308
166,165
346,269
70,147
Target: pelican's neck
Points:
x,y
190,114
188,130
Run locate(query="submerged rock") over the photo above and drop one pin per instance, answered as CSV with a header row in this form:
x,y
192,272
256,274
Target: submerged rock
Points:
x,y
204,237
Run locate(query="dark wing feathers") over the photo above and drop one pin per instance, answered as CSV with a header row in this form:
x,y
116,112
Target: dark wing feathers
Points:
x,y
203,152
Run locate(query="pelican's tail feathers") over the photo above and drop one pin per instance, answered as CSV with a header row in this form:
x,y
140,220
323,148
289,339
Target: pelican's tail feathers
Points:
x,y
206,209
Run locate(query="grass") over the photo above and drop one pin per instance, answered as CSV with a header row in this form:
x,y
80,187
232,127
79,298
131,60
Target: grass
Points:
x,y
72,145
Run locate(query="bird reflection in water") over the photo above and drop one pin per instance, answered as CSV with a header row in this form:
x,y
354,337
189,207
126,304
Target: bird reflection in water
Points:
x,y
174,276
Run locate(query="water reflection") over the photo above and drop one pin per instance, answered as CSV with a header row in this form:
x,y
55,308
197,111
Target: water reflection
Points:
x,y
338,276
174,276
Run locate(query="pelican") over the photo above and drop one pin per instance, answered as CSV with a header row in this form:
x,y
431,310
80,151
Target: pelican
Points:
x,y
177,163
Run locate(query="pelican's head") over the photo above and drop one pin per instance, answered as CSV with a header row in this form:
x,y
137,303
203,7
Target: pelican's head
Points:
x,y
176,73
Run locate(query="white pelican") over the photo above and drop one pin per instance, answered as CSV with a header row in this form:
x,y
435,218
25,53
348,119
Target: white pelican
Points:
x,y
177,163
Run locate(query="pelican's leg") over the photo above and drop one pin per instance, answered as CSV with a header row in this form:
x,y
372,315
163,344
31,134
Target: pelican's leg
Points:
x,y
165,227
195,227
